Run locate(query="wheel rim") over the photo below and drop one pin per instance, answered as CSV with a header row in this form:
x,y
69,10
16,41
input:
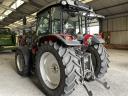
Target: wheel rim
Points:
x,y
20,62
50,70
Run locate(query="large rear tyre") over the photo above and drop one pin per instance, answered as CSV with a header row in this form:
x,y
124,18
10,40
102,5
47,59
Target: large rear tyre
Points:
x,y
56,69
100,59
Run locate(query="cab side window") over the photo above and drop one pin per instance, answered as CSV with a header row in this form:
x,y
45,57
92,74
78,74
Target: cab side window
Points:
x,y
56,25
43,25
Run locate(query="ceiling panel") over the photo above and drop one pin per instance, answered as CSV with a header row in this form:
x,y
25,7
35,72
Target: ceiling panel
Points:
x,y
2,10
99,4
109,7
40,2
114,10
1,1
8,2
103,7
28,8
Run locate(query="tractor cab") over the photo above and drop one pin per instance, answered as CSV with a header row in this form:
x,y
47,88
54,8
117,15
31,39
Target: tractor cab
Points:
x,y
65,17
61,55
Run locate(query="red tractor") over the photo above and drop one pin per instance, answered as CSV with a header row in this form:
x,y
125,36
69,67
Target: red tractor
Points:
x,y
61,54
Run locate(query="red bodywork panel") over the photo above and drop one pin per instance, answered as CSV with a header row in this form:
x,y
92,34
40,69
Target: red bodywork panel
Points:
x,y
34,50
52,38
67,37
87,39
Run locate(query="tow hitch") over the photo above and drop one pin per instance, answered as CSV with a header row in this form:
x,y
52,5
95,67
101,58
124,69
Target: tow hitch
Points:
x,y
88,70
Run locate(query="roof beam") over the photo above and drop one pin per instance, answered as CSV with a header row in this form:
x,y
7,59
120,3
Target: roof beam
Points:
x,y
112,6
3,15
6,7
32,2
1,1
117,14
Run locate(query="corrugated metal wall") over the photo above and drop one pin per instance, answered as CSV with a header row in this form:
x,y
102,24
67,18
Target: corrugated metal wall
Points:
x,y
118,28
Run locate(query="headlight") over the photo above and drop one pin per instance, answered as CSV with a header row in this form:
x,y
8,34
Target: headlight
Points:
x,y
63,2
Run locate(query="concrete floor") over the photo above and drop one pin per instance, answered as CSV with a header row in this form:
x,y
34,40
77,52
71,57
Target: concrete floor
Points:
x,y
11,84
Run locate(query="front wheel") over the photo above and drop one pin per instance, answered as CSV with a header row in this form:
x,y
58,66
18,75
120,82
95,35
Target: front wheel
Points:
x,y
56,70
100,59
22,60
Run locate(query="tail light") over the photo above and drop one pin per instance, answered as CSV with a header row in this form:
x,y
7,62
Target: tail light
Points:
x,y
87,40
68,37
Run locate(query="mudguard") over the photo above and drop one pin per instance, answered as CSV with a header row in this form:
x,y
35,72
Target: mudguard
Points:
x,y
60,39
92,40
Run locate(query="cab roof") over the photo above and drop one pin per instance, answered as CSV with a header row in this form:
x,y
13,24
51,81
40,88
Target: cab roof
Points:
x,y
74,3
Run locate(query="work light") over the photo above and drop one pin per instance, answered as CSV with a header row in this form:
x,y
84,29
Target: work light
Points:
x,y
63,2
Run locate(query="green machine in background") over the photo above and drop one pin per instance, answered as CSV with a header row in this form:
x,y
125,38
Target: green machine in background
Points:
x,y
7,39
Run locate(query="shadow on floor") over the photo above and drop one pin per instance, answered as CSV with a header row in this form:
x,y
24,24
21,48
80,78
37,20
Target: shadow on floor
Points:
x,y
9,52
32,78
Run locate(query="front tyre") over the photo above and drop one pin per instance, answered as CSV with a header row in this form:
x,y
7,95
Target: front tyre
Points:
x,y
100,59
22,60
55,68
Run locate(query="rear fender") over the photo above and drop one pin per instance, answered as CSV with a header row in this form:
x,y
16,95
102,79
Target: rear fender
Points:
x,y
92,40
59,39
